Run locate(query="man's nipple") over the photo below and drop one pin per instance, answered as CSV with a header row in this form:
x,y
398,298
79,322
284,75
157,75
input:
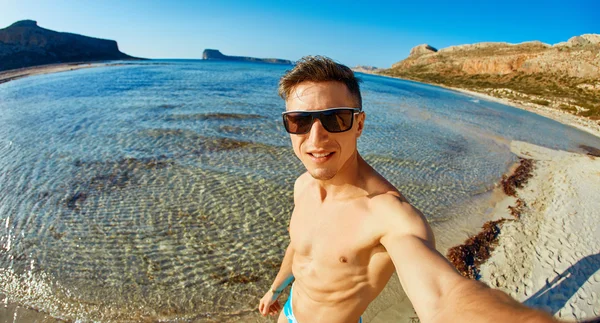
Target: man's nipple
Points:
x,y
343,259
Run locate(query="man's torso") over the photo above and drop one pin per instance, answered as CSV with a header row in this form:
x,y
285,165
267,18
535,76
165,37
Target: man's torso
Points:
x,y
339,264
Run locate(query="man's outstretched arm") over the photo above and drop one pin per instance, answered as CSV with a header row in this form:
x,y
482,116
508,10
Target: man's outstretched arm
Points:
x,y
437,291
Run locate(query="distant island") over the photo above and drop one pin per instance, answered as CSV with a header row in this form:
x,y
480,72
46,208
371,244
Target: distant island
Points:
x,y
367,69
214,54
25,44
563,76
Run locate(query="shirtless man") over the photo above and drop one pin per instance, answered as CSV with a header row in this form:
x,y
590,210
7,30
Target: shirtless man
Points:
x,y
351,229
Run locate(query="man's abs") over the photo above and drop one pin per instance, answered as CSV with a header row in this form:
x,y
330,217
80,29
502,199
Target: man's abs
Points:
x,y
336,292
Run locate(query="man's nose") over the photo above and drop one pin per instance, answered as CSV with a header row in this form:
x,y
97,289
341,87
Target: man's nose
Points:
x,y
317,132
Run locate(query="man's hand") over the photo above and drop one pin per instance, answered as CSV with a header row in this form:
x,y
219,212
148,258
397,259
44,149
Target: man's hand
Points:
x,y
269,304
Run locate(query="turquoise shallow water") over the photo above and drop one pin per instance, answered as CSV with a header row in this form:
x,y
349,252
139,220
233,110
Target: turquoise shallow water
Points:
x,y
162,190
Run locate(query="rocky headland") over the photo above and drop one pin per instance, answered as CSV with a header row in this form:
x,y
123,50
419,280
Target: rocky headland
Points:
x,y
214,54
563,77
25,44
367,69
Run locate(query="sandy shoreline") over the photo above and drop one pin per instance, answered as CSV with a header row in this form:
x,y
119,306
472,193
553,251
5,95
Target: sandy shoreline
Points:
x,y
581,123
550,258
12,75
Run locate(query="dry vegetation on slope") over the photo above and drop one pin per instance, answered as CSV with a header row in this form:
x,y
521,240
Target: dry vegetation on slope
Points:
x,y
565,76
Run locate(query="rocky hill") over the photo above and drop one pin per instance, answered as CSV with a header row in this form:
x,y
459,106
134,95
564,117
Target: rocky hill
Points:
x,y
214,54
25,44
366,69
564,76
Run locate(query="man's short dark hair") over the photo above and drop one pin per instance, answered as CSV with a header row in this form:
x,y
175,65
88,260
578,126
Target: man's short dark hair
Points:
x,y
319,69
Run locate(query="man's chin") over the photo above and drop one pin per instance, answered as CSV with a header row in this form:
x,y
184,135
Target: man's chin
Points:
x,y
322,174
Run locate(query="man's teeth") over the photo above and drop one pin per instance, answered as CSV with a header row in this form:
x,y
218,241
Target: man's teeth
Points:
x,y
321,155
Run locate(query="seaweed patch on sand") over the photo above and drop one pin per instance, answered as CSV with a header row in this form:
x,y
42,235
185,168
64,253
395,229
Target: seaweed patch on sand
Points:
x,y
517,180
468,256
477,249
591,151
516,210
519,177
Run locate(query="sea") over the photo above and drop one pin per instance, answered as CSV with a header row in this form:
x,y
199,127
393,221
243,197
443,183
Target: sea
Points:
x,y
161,190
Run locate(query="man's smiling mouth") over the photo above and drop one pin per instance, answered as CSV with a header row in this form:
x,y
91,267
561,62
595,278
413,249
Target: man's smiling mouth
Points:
x,y
321,155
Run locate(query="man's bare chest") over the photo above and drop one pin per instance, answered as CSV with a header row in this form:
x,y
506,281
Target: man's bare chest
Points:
x,y
336,234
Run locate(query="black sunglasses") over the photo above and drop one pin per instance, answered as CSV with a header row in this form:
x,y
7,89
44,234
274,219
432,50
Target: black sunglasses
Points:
x,y
333,120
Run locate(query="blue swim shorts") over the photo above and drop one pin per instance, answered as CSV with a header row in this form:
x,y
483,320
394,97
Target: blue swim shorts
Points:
x,y
289,313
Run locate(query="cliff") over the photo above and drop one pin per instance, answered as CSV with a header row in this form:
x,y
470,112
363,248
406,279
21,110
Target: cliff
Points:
x,y
564,76
25,44
214,54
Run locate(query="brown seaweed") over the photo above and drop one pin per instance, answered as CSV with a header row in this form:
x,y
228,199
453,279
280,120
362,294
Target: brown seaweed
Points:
x,y
476,250
516,210
519,178
591,151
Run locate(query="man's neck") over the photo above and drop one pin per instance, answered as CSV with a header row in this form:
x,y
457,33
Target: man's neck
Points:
x,y
347,183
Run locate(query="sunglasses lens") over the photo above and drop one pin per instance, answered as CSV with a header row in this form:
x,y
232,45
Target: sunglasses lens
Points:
x,y
333,120
297,123
337,120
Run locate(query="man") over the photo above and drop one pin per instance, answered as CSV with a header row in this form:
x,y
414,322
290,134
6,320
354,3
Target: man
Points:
x,y
351,229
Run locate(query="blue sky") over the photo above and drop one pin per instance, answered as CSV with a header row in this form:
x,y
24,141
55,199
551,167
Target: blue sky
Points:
x,y
377,33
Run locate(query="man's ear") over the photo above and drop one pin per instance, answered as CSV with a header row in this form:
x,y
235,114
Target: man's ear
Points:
x,y
360,120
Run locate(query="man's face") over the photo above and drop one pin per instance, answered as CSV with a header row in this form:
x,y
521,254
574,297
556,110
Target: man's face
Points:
x,y
324,153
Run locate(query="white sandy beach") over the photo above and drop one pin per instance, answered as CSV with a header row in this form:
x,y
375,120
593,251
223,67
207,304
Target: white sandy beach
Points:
x,y
550,259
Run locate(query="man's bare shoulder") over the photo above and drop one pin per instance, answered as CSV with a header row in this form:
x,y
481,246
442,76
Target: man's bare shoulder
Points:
x,y
391,205
300,186
302,183
397,217
302,180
